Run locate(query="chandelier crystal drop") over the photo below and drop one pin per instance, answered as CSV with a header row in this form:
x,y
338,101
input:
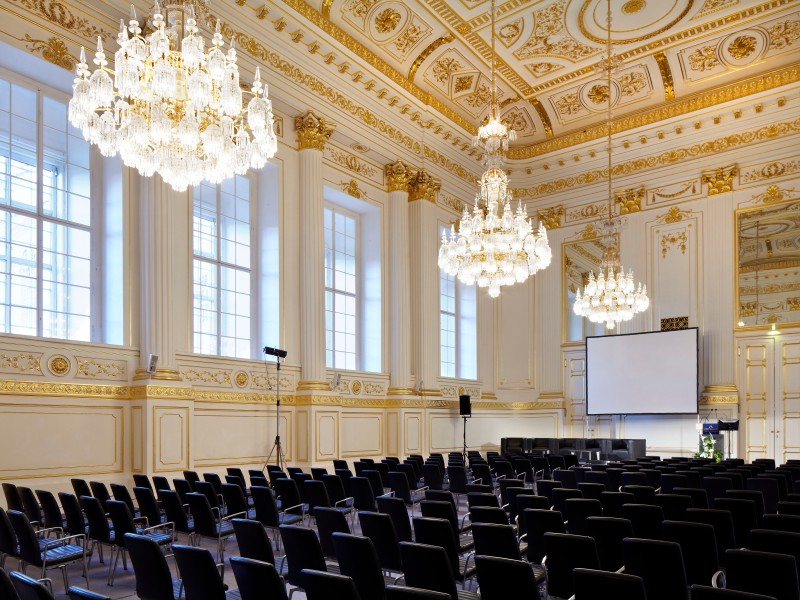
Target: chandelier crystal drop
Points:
x,y
494,245
612,297
173,109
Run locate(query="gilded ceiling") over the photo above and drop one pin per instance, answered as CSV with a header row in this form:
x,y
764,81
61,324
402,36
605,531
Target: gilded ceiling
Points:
x,y
547,50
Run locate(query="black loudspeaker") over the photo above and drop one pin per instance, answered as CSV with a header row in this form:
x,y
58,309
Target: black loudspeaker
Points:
x,y
465,406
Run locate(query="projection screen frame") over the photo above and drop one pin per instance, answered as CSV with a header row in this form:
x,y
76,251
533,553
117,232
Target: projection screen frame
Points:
x,y
697,374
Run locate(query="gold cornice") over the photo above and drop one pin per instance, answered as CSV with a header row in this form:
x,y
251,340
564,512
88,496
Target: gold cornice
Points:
x,y
312,131
716,146
316,18
423,187
699,101
142,392
427,52
666,76
18,387
398,175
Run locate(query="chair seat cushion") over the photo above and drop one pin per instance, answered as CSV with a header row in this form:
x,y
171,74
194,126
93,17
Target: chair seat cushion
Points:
x,y
64,553
162,539
462,560
225,528
465,542
289,518
538,573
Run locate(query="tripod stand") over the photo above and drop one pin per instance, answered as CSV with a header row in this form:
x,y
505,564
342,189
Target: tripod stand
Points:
x,y
276,447
464,452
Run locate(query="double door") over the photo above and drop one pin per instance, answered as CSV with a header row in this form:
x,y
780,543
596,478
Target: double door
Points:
x,y
769,396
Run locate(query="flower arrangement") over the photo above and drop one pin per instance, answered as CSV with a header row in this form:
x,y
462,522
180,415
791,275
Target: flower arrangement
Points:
x,y
707,449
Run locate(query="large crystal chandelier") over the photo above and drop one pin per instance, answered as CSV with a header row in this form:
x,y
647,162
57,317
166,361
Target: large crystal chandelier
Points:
x,y
612,296
490,248
171,107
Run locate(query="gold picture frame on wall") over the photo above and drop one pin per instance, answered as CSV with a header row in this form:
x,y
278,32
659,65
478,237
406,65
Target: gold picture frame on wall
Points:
x,y
767,273
578,258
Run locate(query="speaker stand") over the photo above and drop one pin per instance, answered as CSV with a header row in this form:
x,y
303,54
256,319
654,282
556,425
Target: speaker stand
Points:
x,y
464,452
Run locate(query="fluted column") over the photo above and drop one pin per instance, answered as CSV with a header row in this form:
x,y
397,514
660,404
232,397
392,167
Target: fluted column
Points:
x,y
397,177
424,237
156,287
312,133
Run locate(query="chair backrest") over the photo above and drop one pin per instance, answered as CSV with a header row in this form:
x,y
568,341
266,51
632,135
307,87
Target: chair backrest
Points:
x,y
482,499
744,517
577,510
199,574
100,491
206,488
781,522
234,498
674,505
142,480
561,495
316,495
28,588
438,532
765,573
722,523
698,547
153,578
303,551
502,578
300,478
646,520
336,488
50,509
26,537
480,471
122,494
80,487
148,505
191,476
428,567
30,505
13,499
670,481
566,552
321,585
781,542
458,479
175,513
264,503
7,590
492,539
545,487
704,592
376,481
237,472
642,494
257,580
252,540
76,524
99,528
182,488
358,559
591,583
441,510
488,514
205,522
433,476
363,494
380,529
288,492
122,520
660,565
160,483
769,488
716,487
8,539
537,523
608,533
329,521
591,491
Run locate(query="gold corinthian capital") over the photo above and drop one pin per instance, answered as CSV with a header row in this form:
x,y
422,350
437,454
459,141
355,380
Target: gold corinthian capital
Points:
x,y
312,131
398,174
423,186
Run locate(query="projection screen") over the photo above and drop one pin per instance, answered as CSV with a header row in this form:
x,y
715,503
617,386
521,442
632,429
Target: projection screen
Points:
x,y
642,373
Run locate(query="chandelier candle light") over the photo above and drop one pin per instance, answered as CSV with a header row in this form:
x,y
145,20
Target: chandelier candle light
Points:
x,y
175,111
612,297
488,249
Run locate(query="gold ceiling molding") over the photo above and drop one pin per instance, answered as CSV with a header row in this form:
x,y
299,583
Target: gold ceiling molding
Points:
x,y
61,14
341,36
452,166
326,9
427,52
735,140
398,174
588,34
666,76
352,163
699,101
53,50
544,117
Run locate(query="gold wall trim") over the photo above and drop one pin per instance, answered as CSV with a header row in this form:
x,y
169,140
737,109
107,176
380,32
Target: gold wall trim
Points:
x,y
720,389
719,400
316,18
427,52
716,146
18,387
311,386
141,392
543,116
666,76
488,396
701,100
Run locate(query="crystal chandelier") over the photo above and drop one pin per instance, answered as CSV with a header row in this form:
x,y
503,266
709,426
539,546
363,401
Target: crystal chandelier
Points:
x,y
611,297
490,248
173,109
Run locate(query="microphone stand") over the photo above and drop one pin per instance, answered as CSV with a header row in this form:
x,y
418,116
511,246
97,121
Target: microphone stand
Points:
x,y
276,446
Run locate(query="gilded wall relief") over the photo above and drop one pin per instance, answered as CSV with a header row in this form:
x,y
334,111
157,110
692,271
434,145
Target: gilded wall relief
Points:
x,y
24,363
770,170
100,368
217,377
682,190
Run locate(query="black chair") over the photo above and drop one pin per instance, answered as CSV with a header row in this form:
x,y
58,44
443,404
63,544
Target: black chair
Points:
x,y
76,523
148,505
100,491
208,523
400,485
123,522
433,477
612,503
492,539
317,496
591,491
396,509
608,533
591,584
236,501
253,542
257,580
702,592
289,495
80,487
153,578
192,477
698,495
488,514
642,494
321,585
8,539
215,501
267,512
176,514
182,488
199,574
13,499
781,522
577,510
358,560
669,481
660,565
565,552
303,551
26,588
329,521
100,532
780,542
646,520
481,473
458,479
379,528
502,578
45,555
142,480
536,524
484,499
722,523
51,513
160,483
428,567
765,573
439,532
31,506
716,487
673,505
445,510
769,488
545,487
561,495
699,549
121,493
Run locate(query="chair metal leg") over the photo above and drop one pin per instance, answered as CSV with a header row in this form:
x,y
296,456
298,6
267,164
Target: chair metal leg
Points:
x,y
112,564
66,577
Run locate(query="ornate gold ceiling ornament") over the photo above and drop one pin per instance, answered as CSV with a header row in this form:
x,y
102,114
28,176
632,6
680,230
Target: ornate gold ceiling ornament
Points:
x,y
241,379
742,46
773,194
666,75
312,131
590,36
632,7
445,67
598,94
720,181
632,83
463,83
398,174
427,52
510,32
326,9
61,14
351,189
630,200
387,20
703,59
673,215
710,6
551,217
551,38
544,117
784,34
53,50
540,69
726,93
423,187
